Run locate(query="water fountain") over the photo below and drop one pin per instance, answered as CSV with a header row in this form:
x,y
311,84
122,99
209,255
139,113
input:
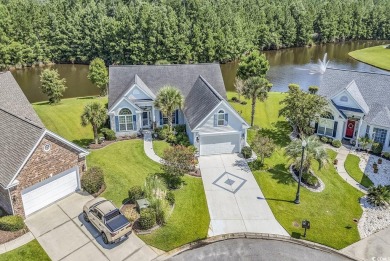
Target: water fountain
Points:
x,y
320,68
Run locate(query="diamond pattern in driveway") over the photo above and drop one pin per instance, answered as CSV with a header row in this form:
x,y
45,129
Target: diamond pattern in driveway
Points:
x,y
64,235
235,201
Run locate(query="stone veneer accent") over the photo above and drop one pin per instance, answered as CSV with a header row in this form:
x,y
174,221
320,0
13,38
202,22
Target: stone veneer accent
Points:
x,y
5,202
43,165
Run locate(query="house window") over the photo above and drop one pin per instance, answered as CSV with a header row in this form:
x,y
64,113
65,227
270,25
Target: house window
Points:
x,y
125,120
380,135
165,118
344,98
326,125
368,131
221,118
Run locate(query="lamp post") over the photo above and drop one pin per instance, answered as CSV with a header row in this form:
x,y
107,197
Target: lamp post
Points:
x,y
304,144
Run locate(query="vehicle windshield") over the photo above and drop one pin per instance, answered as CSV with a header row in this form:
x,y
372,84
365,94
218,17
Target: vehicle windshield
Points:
x,y
112,214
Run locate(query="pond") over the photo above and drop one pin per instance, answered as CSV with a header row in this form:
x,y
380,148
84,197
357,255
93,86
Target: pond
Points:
x,y
292,65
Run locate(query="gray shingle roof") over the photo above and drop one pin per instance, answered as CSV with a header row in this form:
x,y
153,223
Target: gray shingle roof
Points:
x,y
200,101
18,137
373,87
13,100
354,91
182,76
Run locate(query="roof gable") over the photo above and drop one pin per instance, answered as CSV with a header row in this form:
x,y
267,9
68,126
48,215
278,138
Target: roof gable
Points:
x,y
355,93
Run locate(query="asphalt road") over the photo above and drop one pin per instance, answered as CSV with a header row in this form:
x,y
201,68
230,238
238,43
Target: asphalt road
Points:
x,y
257,249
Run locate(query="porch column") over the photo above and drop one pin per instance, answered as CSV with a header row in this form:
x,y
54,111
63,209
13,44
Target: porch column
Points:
x,y
358,132
140,120
153,117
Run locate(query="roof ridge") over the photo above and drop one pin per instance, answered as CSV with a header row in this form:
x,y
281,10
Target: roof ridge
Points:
x,y
365,72
27,120
211,88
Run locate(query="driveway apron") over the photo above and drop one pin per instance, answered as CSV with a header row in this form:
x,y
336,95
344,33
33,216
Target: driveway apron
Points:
x,y
235,201
64,235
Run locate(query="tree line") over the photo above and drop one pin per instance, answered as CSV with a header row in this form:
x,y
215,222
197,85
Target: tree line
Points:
x,y
178,31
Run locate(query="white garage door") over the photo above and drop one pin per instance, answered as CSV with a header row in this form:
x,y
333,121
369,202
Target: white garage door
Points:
x,y
219,144
49,190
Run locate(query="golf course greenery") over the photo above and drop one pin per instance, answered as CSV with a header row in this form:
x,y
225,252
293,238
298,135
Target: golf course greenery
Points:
x,y
378,56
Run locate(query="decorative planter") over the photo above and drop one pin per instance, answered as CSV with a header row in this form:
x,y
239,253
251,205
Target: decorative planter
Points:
x,y
375,170
375,166
335,161
380,161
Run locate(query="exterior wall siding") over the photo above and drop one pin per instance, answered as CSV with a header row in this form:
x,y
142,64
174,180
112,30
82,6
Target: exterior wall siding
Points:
x,y
5,201
137,93
233,120
43,165
350,103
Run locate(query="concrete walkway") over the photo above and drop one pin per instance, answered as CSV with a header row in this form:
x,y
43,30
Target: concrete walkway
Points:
x,y
148,147
17,242
341,157
234,199
374,247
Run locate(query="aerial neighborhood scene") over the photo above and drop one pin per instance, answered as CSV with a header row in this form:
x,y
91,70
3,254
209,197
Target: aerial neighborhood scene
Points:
x,y
194,130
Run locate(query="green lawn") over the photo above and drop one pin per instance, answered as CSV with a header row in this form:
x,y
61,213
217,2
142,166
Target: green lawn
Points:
x,y
64,118
31,251
159,146
377,56
331,212
189,221
125,164
352,166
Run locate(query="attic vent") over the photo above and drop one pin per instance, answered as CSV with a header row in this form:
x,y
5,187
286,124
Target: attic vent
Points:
x,y
344,98
47,147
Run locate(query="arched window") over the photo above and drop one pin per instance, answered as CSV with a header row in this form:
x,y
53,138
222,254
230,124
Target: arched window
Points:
x,y
125,120
344,98
221,118
327,115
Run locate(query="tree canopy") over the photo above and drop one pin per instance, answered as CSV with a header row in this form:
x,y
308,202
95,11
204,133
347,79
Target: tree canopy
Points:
x,y
146,31
52,85
98,75
168,100
254,64
95,114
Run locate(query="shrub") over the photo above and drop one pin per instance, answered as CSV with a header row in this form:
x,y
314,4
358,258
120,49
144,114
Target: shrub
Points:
x,y
180,128
235,99
336,143
182,139
256,165
378,196
386,155
310,179
162,132
170,197
330,140
313,89
108,134
11,223
246,152
159,208
93,180
171,138
377,148
324,139
244,102
147,218
135,193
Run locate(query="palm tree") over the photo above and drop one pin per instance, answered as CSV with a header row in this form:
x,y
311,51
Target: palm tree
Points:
x,y
256,88
95,114
168,100
313,151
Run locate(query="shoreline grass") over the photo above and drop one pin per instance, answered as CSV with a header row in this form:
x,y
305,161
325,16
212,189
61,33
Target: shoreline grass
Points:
x,y
377,56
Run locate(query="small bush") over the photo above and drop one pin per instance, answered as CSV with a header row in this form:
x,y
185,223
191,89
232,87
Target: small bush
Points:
x,y
235,99
336,143
108,134
170,197
135,193
256,165
182,139
11,223
378,196
180,128
377,148
147,218
313,89
310,179
171,138
244,103
386,155
162,132
324,139
93,180
246,152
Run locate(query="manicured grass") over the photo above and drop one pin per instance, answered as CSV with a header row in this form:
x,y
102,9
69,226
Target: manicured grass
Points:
x,y
64,118
159,146
331,212
377,56
31,251
125,165
352,166
189,221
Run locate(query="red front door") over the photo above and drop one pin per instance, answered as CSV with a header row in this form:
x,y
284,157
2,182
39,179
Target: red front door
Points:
x,y
350,129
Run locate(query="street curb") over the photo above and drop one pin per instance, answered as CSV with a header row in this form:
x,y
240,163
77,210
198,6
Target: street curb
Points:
x,y
214,239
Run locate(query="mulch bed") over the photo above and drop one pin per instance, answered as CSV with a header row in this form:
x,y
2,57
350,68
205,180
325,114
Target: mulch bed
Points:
x,y
6,236
94,146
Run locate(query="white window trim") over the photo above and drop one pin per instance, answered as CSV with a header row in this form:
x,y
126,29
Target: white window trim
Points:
x,y
165,118
125,119
325,128
219,113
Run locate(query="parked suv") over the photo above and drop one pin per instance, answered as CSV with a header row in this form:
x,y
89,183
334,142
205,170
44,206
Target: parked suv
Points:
x,y
107,219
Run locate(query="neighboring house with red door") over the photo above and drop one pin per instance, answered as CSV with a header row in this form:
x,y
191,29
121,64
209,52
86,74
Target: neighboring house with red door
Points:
x,y
37,167
359,105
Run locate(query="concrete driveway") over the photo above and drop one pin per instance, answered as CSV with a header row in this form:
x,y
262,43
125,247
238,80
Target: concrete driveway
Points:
x,y
235,201
64,235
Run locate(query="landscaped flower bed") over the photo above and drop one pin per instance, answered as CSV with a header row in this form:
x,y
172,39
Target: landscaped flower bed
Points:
x,y
312,183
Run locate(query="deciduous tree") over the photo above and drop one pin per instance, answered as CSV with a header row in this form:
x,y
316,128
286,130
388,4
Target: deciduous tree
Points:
x,y
98,75
52,85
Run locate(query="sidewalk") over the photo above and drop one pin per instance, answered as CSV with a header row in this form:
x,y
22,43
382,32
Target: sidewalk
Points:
x,y
17,242
341,157
148,147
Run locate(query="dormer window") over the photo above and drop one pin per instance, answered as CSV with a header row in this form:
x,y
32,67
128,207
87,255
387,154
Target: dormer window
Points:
x,y
344,98
221,118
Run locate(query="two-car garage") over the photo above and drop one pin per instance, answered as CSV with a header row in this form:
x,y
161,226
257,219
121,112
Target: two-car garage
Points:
x,y
50,190
222,143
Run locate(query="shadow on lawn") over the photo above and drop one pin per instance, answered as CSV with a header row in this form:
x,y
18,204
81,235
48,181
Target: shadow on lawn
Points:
x,y
279,133
281,174
83,142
